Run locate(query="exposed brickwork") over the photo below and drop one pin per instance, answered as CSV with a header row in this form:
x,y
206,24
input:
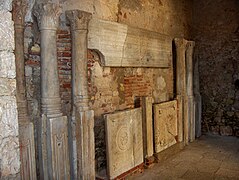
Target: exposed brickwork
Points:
x,y
64,67
112,89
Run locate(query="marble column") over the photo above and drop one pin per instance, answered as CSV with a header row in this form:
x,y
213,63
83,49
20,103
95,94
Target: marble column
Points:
x,y
189,84
83,116
147,128
19,12
26,130
181,89
53,129
198,101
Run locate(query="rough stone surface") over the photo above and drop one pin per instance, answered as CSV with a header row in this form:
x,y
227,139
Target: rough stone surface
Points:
x,y
9,162
7,87
9,141
216,35
6,5
6,31
165,16
7,65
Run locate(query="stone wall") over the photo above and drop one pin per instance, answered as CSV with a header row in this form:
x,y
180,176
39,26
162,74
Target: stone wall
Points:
x,y
216,32
111,89
171,17
9,142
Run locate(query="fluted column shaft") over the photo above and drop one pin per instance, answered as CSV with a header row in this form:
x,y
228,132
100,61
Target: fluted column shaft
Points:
x,y
198,101
189,65
190,95
84,117
181,87
19,12
79,29
48,19
26,130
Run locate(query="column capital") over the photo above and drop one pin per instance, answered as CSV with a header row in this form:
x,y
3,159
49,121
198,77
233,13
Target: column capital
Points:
x,y
190,44
79,20
180,42
47,15
19,8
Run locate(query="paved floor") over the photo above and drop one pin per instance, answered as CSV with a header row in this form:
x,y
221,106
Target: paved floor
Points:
x,y
209,157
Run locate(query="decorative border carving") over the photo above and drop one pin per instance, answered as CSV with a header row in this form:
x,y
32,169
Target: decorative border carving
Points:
x,y
79,20
19,8
47,15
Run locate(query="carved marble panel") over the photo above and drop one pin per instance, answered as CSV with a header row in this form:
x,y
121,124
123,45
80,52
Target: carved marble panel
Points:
x,y
28,161
125,46
165,125
124,141
57,141
147,126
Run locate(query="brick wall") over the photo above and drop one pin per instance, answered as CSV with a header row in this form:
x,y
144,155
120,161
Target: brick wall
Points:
x,y
113,89
64,67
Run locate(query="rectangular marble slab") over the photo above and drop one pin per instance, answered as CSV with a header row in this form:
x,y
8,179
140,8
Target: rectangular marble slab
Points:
x,y
124,141
28,161
123,46
147,126
58,142
165,125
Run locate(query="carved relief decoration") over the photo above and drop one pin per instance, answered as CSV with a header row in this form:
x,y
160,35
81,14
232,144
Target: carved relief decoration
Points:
x,y
165,125
47,15
19,11
78,19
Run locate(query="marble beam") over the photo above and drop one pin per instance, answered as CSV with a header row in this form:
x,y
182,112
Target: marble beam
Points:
x,y
53,143
83,116
147,126
198,100
181,89
26,128
190,95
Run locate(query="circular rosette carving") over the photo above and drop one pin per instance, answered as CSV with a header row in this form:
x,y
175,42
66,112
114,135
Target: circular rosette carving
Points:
x,y
123,138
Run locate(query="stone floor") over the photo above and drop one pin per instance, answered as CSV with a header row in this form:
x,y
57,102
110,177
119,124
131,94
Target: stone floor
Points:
x,y
209,157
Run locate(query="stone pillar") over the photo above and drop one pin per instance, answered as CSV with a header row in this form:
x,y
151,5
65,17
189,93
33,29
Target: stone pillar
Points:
x,y
198,101
84,118
53,131
9,129
181,89
19,12
190,96
26,130
148,129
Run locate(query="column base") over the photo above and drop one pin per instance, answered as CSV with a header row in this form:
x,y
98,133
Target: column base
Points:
x,y
54,148
27,151
85,144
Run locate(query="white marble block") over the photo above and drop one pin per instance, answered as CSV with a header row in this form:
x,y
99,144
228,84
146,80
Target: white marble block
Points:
x,y
121,45
165,125
124,141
